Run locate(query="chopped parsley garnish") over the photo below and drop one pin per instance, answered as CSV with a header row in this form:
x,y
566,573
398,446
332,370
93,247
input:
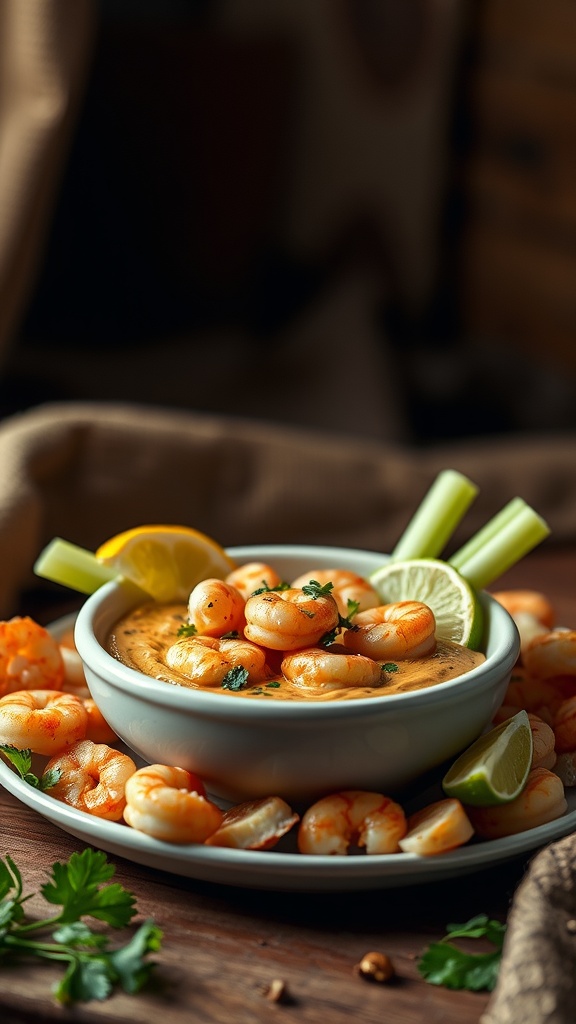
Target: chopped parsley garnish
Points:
x,y
314,590
187,629
265,589
235,678
390,666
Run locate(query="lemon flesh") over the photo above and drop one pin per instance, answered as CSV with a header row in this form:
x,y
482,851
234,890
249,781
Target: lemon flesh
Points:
x,y
165,561
457,609
495,768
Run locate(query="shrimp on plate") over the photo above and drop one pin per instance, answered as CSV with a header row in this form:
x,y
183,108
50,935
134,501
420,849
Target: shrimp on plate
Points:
x,y
333,668
544,743
254,824
253,576
437,828
532,612
97,728
44,721
93,778
390,632
169,803
564,725
30,657
285,620
551,654
347,586
352,817
542,800
215,608
207,660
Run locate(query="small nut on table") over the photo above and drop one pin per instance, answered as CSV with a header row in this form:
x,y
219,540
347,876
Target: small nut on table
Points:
x,y
375,967
277,991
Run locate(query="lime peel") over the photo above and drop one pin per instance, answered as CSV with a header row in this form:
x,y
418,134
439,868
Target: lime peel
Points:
x,y
494,769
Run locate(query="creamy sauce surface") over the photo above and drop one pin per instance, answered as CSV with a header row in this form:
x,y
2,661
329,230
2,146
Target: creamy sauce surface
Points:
x,y
142,637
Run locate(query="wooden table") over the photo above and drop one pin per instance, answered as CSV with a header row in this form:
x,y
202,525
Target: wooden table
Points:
x,y
224,946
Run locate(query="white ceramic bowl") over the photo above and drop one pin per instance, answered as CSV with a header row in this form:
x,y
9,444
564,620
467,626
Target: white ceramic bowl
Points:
x,y
298,750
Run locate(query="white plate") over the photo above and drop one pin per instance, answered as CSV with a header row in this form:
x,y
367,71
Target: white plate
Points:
x,y
281,869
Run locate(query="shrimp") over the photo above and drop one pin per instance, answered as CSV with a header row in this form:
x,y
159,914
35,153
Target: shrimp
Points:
x,y
347,586
74,677
552,654
332,669
207,660
531,611
169,803
544,743
352,817
541,800
44,721
253,576
564,726
97,728
30,657
215,608
527,602
93,777
540,696
405,629
438,827
286,620
254,825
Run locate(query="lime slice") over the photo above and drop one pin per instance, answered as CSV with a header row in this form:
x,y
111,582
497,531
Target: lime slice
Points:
x,y
458,612
495,768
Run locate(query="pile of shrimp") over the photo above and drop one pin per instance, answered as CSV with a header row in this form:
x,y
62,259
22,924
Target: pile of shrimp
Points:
x,y
45,707
255,621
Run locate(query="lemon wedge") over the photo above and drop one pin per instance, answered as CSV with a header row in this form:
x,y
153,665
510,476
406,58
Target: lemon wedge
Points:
x,y
165,561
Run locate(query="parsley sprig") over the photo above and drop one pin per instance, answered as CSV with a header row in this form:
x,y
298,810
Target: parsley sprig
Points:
x,y
22,762
81,887
445,964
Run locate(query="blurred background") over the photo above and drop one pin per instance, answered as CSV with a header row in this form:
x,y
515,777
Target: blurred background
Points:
x,y
357,216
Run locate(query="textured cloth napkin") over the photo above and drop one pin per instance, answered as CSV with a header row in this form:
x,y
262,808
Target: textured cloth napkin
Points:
x,y
85,471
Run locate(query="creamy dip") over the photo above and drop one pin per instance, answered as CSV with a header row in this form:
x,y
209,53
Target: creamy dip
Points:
x,y
142,637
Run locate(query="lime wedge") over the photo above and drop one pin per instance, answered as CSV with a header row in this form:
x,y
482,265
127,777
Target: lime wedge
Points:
x,y
458,612
495,768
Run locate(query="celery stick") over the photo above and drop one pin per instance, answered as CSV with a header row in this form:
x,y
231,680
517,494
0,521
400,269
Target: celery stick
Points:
x,y
519,534
72,566
436,517
490,530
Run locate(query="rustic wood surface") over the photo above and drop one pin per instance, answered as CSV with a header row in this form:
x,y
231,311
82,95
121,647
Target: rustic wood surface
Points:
x,y
224,947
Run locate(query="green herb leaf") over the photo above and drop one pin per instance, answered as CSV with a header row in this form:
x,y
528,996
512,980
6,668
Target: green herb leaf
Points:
x,y
445,964
187,629
22,762
235,679
77,887
80,887
314,590
128,962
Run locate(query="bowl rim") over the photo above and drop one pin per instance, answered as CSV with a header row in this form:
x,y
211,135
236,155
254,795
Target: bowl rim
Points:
x,y
101,609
